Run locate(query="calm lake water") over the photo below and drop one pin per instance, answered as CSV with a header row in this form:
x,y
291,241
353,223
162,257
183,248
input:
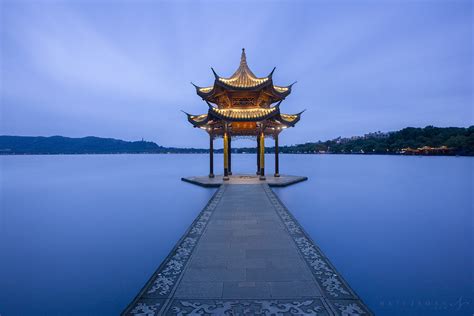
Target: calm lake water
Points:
x,y
80,235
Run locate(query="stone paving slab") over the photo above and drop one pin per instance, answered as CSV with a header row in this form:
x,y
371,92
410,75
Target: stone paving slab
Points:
x,y
245,254
217,181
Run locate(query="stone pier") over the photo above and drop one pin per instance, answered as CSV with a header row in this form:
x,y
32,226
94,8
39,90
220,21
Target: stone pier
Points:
x,y
245,254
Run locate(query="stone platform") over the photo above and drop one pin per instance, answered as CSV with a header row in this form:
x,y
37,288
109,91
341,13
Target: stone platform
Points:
x,y
281,181
245,254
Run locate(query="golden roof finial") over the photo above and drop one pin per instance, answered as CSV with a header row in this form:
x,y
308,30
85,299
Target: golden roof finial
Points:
x,y
243,57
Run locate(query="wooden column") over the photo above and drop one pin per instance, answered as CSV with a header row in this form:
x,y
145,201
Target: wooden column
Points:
x,y
230,155
258,154
262,156
226,156
211,156
277,163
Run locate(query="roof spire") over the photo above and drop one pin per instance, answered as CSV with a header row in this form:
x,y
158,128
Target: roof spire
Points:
x,y
243,57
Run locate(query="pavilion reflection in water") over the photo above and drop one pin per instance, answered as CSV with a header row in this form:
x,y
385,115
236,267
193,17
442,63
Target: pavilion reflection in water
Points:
x,y
243,106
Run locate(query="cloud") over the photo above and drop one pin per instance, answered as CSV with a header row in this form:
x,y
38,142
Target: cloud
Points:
x,y
66,49
122,69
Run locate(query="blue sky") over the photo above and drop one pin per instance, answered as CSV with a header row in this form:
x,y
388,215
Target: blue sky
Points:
x,y
122,68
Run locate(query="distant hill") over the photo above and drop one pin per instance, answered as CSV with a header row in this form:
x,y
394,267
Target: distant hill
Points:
x,y
87,145
429,140
409,141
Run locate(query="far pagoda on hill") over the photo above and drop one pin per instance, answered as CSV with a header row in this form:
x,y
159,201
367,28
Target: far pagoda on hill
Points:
x,y
243,105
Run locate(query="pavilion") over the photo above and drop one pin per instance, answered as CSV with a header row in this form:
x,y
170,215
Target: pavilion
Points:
x,y
243,106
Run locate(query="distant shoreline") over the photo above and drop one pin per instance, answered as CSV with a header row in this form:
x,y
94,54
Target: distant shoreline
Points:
x,y
234,153
427,141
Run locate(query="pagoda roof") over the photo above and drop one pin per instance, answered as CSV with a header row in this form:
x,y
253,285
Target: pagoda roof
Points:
x,y
243,79
250,115
281,90
246,100
244,115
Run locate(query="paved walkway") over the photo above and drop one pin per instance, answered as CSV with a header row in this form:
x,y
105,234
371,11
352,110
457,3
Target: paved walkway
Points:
x,y
246,254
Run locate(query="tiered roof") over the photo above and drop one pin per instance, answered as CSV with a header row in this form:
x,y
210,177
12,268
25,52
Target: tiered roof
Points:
x,y
243,97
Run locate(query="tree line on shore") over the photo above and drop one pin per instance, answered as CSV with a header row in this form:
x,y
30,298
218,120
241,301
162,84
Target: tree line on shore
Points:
x,y
410,140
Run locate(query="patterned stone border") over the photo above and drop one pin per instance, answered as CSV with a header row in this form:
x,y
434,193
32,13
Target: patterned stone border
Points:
x,y
156,297
312,306
153,297
337,292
